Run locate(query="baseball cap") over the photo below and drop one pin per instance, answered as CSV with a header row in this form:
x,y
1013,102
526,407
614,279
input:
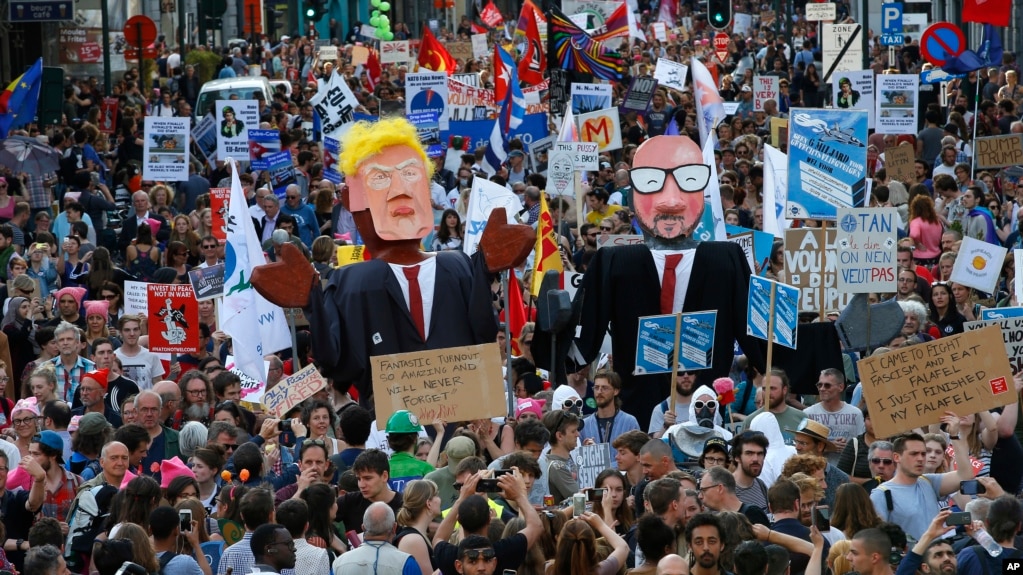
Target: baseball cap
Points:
x,y
747,89
52,441
459,448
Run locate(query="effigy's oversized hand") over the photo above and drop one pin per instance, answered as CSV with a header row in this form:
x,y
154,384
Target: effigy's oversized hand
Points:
x,y
505,245
287,281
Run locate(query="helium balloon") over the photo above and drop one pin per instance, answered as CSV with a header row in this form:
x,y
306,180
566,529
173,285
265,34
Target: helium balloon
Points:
x,y
385,6
374,21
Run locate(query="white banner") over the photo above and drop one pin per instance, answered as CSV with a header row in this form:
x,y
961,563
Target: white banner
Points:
x,y
335,104
394,52
234,118
165,149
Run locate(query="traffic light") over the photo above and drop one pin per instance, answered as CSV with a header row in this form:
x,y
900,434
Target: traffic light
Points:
x,y
315,9
719,13
274,21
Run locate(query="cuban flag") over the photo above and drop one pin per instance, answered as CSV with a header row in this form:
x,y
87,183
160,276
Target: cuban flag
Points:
x,y
513,108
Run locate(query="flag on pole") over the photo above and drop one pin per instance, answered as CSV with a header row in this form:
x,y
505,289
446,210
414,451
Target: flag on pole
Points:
x,y
571,48
515,315
989,54
434,56
713,212
491,16
569,131
995,12
546,255
615,26
534,61
483,198
710,108
513,108
256,326
776,182
18,103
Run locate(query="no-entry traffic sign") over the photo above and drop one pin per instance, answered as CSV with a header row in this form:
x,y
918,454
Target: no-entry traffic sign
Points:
x,y
941,41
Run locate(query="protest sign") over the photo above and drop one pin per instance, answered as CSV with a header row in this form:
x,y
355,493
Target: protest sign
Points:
x,y
204,134
641,91
471,79
602,127
282,173
107,115
559,94
394,52
469,103
745,241
671,74
484,197
818,290
590,97
764,88
914,386
331,152
827,162
762,244
329,54
1012,337
855,91
780,133
293,390
655,344
479,46
1017,282
900,163
1001,313
335,104
539,154
460,50
741,23
896,103
165,149
173,318
208,282
660,31
234,118
262,143
455,384
758,311
999,151
865,242
348,255
220,201
978,264
592,460
136,300
427,92
561,170
585,155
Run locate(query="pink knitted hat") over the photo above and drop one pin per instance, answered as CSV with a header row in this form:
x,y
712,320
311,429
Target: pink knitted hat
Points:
x,y
98,307
172,468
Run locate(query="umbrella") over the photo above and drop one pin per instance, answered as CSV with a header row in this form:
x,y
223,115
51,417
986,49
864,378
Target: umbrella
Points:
x,y
24,154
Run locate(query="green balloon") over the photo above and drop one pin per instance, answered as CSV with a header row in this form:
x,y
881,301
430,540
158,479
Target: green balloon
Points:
x,y
374,3
388,36
374,21
375,14
385,6
384,21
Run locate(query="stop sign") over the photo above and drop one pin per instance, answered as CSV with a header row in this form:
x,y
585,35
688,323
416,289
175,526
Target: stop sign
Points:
x,y
721,46
140,30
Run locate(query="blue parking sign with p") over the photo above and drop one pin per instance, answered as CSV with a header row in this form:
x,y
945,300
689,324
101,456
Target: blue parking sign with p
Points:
x,y
891,18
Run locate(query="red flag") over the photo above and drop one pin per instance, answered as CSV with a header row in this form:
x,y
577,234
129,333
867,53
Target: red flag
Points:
x,y
477,29
994,12
434,56
373,69
616,25
491,16
516,313
533,61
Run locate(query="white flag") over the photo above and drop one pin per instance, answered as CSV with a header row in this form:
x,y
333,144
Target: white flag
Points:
x,y
776,181
256,326
712,193
483,198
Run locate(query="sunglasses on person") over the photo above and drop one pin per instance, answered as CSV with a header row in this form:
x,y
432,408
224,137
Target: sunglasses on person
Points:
x,y
824,385
473,555
711,405
571,404
606,228
882,461
210,247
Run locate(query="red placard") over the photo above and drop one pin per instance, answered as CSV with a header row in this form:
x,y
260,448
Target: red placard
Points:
x,y
220,200
108,115
721,46
173,318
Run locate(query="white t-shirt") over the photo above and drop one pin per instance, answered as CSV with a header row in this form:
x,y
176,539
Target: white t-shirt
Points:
x,y
846,423
144,368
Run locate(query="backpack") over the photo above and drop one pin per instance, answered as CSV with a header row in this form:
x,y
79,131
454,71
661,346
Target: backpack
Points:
x,y
165,559
88,513
72,161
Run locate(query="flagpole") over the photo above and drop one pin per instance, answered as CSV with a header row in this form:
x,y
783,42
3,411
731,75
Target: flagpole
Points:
x,y
976,107
509,385
295,362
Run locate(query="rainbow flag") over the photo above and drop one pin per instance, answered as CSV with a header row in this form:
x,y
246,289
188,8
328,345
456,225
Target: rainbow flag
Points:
x,y
571,48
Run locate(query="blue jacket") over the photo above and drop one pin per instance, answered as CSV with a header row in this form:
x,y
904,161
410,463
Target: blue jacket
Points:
x,y
621,423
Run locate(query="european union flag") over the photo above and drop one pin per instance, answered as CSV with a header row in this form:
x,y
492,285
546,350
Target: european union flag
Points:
x,y
19,101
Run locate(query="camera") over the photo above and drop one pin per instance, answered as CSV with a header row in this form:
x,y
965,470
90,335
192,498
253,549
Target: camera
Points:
x,y
596,494
185,517
284,425
487,486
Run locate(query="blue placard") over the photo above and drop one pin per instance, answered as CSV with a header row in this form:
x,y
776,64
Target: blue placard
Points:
x,y
786,311
936,75
282,172
263,143
762,243
60,11
1001,313
827,162
331,151
655,344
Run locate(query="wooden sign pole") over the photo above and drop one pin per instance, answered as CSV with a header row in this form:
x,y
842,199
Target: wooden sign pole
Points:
x,y
674,367
822,289
770,331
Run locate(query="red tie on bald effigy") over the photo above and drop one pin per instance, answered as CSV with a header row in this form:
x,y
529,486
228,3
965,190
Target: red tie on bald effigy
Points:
x,y
671,262
415,299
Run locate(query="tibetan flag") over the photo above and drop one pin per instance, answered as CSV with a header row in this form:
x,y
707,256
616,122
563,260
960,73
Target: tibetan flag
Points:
x,y
546,255
616,25
571,48
434,56
534,61
995,12
491,16
19,101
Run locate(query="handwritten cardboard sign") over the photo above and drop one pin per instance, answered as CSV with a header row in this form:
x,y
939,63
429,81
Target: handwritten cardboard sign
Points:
x,y
293,390
866,249
135,299
456,384
460,50
764,88
592,460
999,151
900,163
914,386
817,288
